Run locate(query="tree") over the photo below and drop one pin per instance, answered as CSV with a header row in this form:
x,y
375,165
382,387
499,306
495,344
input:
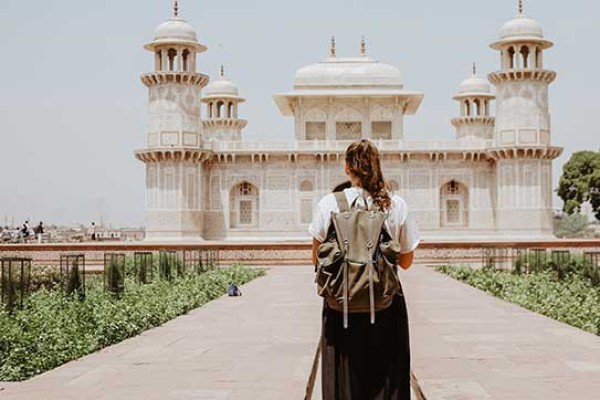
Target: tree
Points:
x,y
571,226
580,182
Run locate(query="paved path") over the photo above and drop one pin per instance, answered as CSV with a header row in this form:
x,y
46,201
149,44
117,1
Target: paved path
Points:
x,y
258,346
469,345
466,345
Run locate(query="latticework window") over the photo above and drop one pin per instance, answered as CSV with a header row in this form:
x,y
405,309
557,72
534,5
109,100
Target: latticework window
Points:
x,y
244,205
381,130
315,131
348,130
454,203
246,189
452,188
245,212
452,211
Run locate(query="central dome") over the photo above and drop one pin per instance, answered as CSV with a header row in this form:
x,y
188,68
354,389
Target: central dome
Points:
x,y
342,73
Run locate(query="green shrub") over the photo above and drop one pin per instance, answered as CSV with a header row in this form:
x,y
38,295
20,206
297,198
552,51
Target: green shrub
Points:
x,y
563,267
53,329
572,300
46,276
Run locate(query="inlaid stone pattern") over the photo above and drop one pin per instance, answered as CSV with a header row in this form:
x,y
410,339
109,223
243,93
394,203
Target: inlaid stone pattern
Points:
x,y
492,180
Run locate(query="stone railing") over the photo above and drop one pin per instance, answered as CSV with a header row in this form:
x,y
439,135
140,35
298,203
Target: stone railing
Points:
x,y
341,145
291,253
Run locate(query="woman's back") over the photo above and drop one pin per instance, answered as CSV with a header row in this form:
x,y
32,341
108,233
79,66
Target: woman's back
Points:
x,y
399,222
370,359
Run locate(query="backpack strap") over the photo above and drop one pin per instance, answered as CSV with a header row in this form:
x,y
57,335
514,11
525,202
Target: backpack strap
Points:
x,y
342,201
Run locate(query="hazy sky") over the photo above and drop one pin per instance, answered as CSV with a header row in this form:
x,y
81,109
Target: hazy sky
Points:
x,y
73,109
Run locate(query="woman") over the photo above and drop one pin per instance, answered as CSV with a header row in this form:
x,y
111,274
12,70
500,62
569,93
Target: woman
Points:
x,y
367,361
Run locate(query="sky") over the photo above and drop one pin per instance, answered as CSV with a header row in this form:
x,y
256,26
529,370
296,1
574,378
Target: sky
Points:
x,y
73,109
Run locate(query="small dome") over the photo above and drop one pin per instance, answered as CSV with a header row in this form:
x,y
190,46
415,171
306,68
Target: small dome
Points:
x,y
221,87
175,30
348,72
521,27
474,84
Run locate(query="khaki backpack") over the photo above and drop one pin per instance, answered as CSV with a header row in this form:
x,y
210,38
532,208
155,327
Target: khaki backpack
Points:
x,y
356,264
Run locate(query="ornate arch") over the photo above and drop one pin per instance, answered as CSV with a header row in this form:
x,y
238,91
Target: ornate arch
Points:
x,y
454,205
244,205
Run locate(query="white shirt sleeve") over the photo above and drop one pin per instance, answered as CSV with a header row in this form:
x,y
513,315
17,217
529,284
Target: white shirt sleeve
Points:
x,y
409,234
318,228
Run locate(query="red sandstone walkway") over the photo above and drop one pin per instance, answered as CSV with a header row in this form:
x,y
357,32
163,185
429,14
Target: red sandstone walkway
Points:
x,y
466,345
258,346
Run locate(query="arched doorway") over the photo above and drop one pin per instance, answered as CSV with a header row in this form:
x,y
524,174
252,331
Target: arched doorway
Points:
x,y
454,205
244,206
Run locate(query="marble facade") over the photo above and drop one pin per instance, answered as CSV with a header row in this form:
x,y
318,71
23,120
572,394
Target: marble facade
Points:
x,y
204,182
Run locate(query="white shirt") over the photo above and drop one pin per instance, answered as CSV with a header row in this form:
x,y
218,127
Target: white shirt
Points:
x,y
399,223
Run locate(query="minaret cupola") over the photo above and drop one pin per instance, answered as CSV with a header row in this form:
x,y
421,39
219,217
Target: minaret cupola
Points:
x,y
222,100
522,115
521,43
175,45
475,120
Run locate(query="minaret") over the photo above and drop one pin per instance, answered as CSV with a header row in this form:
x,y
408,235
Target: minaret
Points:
x,y
173,153
475,121
222,100
522,140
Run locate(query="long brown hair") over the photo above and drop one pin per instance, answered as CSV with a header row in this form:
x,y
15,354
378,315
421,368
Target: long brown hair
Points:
x,y
362,159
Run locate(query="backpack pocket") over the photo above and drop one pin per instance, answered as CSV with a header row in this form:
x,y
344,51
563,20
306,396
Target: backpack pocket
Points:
x,y
390,251
329,262
388,267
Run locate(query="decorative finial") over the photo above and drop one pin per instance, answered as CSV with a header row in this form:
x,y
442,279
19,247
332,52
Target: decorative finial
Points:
x,y
520,8
222,71
474,69
363,47
332,51
176,9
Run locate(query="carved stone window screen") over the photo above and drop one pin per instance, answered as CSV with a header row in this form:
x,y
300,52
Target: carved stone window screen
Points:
x,y
245,212
452,211
452,188
315,130
348,130
246,189
244,205
454,203
381,130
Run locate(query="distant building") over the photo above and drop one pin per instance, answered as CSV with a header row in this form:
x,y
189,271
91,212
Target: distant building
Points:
x,y
121,234
203,182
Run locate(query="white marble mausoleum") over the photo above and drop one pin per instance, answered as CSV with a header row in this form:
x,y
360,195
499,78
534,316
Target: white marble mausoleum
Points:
x,y
205,182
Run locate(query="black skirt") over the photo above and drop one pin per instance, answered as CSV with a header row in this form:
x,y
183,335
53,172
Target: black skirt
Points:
x,y
365,361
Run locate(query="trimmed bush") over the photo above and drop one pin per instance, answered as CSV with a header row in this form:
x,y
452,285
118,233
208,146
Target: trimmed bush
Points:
x,y
52,329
